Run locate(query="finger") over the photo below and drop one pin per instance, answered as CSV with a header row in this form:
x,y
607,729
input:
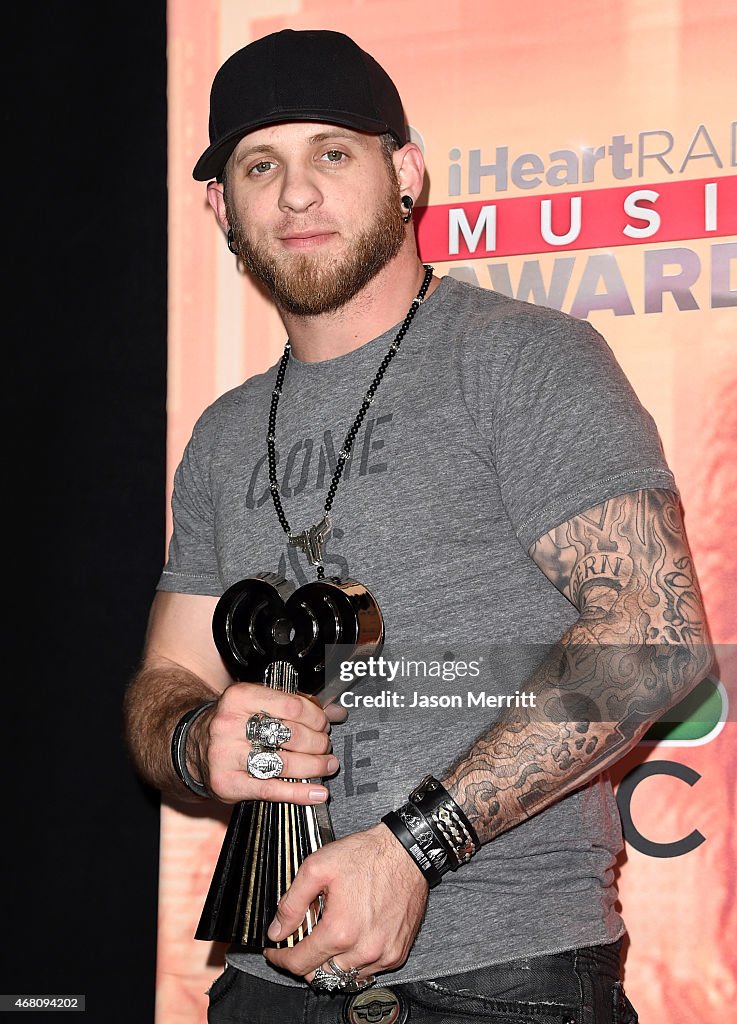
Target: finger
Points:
x,y
309,883
225,767
303,958
306,766
230,722
283,791
244,699
301,739
299,781
342,960
336,712
316,701
371,956
370,970
306,741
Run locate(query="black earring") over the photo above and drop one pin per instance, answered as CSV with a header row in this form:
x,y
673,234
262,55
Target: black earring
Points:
x,y
407,202
230,242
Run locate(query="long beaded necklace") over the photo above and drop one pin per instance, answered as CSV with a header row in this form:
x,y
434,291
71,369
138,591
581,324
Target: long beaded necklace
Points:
x,y
312,540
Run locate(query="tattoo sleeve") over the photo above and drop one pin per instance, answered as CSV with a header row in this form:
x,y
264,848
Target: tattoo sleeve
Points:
x,y
639,646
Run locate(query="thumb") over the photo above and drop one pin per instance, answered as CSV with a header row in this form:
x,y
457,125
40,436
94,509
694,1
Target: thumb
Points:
x,y
296,901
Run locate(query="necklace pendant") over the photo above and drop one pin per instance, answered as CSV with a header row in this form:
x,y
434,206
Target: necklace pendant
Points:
x,y
312,540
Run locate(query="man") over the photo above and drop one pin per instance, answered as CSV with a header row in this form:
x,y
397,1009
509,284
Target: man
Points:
x,y
500,484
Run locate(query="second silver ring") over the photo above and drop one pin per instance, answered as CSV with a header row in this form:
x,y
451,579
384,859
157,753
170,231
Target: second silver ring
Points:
x,y
264,764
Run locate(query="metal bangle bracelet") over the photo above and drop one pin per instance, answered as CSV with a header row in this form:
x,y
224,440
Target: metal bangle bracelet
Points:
x,y
179,749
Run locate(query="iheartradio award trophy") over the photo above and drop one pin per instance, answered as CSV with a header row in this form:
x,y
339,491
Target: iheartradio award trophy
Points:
x,y
266,629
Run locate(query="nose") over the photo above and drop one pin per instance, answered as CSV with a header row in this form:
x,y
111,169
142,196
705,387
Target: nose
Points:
x,y
299,190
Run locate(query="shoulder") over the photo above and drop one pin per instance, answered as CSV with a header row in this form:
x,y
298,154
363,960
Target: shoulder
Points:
x,y
228,409
488,323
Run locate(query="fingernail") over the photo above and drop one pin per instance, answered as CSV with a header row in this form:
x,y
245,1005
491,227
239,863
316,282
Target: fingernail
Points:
x,y
333,764
318,796
274,929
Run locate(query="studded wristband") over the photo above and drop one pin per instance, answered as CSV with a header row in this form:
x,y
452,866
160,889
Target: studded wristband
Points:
x,y
179,748
434,830
446,818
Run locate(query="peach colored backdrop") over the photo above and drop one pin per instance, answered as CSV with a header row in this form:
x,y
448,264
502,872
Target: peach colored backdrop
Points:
x,y
537,79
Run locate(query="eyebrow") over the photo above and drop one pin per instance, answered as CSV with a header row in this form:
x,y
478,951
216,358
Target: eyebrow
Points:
x,y
337,134
312,140
253,149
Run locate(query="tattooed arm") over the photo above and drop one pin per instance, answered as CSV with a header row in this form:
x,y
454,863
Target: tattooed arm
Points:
x,y
639,646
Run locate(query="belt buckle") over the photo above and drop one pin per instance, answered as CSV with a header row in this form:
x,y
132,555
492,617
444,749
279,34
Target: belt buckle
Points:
x,y
375,1006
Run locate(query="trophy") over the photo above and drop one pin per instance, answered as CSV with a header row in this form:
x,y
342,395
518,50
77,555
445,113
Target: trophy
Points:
x,y
293,640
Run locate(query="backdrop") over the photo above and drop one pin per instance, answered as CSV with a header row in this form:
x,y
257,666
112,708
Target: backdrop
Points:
x,y
84,378
583,157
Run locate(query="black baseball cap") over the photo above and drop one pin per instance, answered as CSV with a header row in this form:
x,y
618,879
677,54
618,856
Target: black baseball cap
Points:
x,y
313,75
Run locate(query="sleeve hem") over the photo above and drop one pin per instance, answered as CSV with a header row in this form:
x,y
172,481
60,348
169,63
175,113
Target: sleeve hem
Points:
x,y
540,522
205,584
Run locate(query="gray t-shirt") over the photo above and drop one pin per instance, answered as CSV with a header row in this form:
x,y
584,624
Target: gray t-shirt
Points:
x,y
497,421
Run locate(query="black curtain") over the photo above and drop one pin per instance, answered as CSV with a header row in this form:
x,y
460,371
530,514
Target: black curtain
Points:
x,y
84,126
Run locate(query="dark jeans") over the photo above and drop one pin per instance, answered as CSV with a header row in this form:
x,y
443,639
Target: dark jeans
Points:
x,y
580,986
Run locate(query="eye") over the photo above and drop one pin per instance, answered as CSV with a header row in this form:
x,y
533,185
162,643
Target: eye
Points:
x,y
335,156
261,167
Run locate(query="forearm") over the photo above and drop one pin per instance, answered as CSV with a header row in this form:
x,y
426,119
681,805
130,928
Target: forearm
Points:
x,y
640,645
530,758
182,670
157,697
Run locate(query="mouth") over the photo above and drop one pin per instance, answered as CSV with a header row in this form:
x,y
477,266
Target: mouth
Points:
x,y
302,240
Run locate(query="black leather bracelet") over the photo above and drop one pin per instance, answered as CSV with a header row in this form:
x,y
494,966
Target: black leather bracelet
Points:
x,y
179,749
445,816
395,825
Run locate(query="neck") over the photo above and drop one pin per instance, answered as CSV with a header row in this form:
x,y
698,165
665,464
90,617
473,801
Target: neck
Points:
x,y
377,307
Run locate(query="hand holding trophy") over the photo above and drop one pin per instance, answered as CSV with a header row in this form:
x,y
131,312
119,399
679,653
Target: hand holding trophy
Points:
x,y
293,640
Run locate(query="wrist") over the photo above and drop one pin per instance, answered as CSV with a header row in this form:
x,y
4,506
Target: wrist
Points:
x,y
197,742
401,862
430,861
181,749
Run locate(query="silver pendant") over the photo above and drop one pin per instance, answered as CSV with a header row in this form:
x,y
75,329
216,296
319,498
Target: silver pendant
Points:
x,y
312,540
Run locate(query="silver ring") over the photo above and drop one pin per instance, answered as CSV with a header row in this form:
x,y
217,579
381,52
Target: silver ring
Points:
x,y
269,732
358,986
323,981
347,980
343,973
264,764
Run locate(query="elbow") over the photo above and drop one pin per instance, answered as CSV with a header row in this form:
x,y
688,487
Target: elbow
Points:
x,y
680,667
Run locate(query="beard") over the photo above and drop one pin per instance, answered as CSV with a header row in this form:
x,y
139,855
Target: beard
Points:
x,y
307,285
